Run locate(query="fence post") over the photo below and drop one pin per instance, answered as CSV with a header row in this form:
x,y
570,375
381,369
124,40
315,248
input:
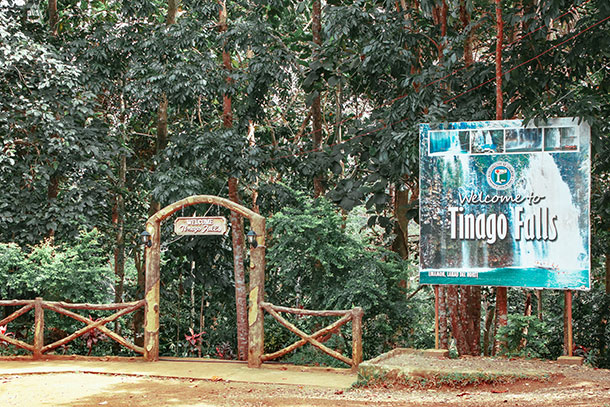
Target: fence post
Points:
x,y
256,326
152,256
357,314
38,328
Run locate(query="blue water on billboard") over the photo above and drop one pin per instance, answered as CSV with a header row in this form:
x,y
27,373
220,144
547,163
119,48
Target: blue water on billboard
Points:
x,y
510,276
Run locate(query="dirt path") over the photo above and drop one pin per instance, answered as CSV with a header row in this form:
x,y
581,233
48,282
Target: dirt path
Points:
x,y
578,387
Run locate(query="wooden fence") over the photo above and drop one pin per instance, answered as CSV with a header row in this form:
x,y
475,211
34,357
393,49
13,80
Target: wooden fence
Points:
x,y
354,315
38,348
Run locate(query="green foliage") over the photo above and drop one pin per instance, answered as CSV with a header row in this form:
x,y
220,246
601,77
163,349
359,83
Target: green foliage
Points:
x,y
591,313
54,151
75,104
524,336
314,264
77,273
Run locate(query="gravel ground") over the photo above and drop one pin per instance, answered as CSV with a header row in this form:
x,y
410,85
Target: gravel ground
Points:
x,y
567,386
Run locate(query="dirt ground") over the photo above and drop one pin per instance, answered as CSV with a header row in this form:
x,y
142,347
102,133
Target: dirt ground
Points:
x,y
567,386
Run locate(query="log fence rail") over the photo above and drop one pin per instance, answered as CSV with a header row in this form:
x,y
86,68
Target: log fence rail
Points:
x,y
38,348
354,315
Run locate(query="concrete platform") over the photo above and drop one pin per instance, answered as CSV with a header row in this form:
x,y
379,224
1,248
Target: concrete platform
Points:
x,y
202,369
403,365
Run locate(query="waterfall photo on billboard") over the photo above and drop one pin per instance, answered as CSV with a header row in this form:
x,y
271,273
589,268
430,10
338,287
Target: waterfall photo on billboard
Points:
x,y
505,204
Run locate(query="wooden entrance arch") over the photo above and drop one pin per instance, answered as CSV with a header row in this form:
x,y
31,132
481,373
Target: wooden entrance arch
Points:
x,y
257,276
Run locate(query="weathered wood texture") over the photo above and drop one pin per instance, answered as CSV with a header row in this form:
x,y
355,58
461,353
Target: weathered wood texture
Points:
x,y
354,315
256,296
15,303
357,314
299,311
241,296
91,325
257,276
17,313
94,307
38,348
38,328
152,294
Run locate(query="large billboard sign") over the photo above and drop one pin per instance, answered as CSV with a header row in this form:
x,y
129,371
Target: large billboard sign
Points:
x,y
505,204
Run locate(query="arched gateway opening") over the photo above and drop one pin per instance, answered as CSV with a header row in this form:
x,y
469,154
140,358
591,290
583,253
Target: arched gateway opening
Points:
x,y
257,275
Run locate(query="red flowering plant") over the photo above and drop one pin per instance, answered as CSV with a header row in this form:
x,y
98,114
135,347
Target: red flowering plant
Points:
x,y
93,336
3,331
195,341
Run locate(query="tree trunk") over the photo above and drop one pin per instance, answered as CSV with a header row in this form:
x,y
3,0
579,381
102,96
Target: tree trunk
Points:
x,y
316,111
241,303
499,40
138,317
401,241
539,304
442,317
118,219
457,328
162,131
465,309
252,143
465,19
53,16
489,329
474,319
527,311
53,186
501,292
501,313
52,194
237,225
608,272
172,10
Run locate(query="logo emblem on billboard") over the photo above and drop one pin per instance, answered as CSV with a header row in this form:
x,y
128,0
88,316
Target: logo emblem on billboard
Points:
x,y
501,175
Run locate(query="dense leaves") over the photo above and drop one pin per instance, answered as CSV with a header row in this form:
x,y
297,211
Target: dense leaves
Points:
x,y
82,145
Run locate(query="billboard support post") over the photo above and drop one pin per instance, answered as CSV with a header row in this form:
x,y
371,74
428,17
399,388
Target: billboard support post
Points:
x,y
567,344
436,312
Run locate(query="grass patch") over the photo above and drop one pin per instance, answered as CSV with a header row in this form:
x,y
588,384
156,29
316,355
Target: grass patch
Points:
x,y
378,377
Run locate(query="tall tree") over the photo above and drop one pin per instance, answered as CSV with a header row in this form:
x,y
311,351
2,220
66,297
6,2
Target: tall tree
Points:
x,y
237,223
316,109
501,292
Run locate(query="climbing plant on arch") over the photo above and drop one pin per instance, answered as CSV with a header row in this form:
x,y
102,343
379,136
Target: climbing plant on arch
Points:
x,y
257,276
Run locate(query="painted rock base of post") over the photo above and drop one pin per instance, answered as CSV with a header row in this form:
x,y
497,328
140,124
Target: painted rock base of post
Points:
x,y
436,353
570,360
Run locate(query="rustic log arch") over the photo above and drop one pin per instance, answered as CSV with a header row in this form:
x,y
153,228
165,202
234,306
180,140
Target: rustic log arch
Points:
x,y
257,276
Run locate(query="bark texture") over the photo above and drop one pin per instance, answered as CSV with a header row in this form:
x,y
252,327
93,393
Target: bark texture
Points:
x,y
464,306
241,303
53,16
237,223
316,110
